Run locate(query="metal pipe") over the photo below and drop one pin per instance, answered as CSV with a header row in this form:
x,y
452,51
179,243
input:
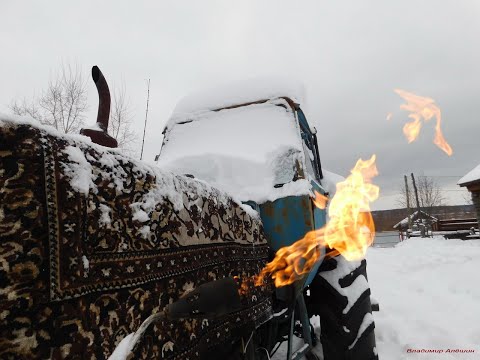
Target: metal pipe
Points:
x,y
103,98
99,134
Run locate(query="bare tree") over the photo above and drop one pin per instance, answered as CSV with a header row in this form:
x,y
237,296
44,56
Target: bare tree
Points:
x,y
62,105
25,108
120,124
429,194
467,197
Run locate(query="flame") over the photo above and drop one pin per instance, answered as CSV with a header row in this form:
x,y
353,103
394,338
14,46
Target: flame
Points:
x,y
320,200
351,229
422,108
349,232
244,284
389,116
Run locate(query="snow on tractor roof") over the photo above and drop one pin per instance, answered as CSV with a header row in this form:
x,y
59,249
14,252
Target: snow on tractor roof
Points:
x,y
240,92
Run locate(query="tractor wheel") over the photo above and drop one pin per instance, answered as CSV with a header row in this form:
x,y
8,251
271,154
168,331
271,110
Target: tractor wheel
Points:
x,y
340,295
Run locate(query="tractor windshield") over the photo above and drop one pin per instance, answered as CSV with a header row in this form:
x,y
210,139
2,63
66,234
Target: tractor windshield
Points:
x,y
244,151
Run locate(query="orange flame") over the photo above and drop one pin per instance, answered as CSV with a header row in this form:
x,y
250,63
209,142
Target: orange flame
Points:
x,y
243,284
320,200
349,232
422,108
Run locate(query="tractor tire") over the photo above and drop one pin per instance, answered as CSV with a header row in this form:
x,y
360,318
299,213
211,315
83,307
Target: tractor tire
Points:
x,y
340,295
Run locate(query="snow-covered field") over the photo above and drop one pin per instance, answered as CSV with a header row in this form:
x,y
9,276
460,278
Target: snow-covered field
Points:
x,y
429,295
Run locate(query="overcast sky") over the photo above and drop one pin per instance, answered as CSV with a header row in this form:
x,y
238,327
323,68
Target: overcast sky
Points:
x,y
349,54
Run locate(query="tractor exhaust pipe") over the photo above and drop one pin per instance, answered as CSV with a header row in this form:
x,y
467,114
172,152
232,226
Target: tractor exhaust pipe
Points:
x,y
103,98
99,134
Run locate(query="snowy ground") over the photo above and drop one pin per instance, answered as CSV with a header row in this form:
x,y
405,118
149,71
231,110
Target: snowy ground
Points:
x,y
429,296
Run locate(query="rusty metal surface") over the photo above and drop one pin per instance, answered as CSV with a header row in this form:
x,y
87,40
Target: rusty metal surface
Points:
x,y
103,98
287,220
290,102
101,137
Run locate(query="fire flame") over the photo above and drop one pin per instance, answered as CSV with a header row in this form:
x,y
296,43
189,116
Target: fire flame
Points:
x,y
320,200
422,108
243,284
349,232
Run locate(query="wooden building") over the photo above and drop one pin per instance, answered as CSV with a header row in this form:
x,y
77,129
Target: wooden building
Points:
x,y
416,219
472,182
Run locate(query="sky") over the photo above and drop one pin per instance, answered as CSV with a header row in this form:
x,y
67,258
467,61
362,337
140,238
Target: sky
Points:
x,y
350,56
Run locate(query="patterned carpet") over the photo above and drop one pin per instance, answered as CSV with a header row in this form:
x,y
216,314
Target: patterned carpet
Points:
x,y
92,243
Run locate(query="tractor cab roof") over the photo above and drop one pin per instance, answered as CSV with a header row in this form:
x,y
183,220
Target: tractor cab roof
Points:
x,y
244,139
241,93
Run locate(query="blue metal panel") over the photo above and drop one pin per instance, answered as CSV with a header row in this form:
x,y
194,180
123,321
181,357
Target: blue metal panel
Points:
x,y
288,219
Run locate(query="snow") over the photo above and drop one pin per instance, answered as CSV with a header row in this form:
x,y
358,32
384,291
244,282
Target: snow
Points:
x,y
366,322
14,120
240,92
95,126
429,297
123,349
329,182
138,213
105,219
79,171
258,149
473,175
86,263
404,222
243,151
355,290
429,300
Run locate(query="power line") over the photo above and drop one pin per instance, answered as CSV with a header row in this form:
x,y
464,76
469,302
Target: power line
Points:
x,y
146,116
448,176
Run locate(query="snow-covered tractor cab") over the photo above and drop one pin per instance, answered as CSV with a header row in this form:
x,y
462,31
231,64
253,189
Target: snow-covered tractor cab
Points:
x,y
257,146
263,153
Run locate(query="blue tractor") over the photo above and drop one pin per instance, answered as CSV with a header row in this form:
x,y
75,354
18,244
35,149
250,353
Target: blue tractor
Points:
x,y
97,246
262,150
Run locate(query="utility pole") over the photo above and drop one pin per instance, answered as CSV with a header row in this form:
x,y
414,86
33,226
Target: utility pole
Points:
x,y
418,205
408,205
146,116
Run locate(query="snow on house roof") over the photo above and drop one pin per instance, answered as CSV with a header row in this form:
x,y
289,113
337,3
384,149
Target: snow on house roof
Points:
x,y
405,221
473,175
240,92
